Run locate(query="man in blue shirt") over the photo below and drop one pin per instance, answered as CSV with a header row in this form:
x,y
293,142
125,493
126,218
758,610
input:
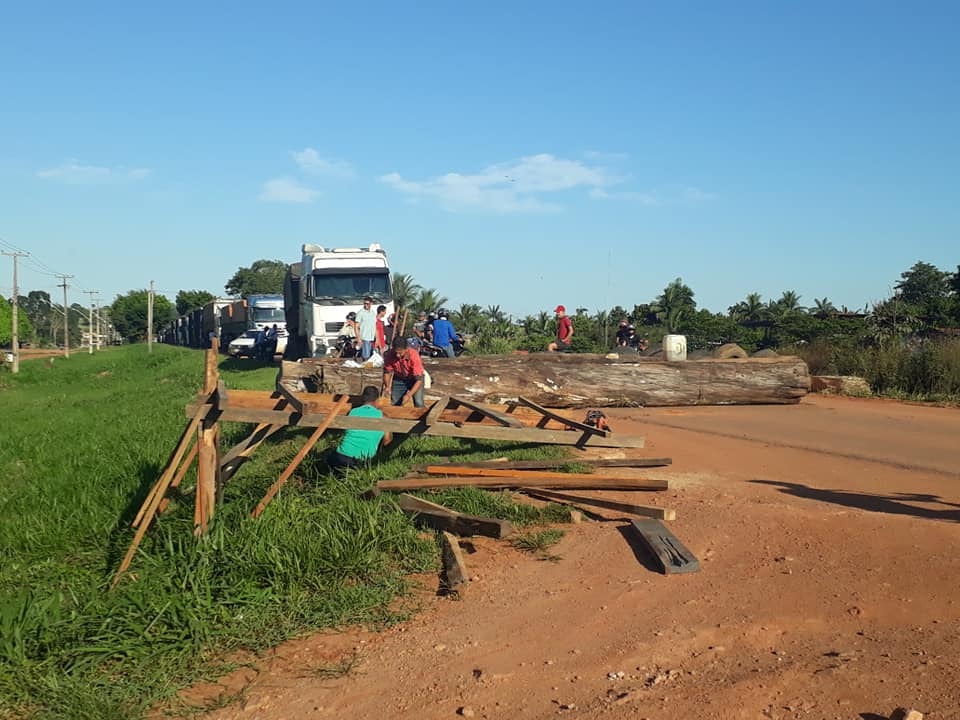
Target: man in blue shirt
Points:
x,y
359,446
443,333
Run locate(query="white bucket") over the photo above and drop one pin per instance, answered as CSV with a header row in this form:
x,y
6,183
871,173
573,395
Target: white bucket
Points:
x,y
674,347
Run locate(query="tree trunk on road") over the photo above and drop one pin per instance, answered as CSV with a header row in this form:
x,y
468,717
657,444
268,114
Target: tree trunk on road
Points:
x,y
560,380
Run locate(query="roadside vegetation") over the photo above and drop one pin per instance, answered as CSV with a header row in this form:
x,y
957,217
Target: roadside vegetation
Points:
x,y
83,440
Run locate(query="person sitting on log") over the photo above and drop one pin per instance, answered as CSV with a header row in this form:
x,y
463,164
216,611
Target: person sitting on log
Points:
x,y
403,374
360,446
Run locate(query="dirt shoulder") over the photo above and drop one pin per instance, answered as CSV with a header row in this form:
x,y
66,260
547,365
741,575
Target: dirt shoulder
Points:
x,y
829,536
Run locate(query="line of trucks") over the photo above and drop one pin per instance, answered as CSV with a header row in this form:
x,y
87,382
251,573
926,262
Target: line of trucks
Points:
x,y
318,293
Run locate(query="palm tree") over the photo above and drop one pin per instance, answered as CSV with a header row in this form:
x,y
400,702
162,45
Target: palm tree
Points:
x,y
469,318
674,304
428,300
789,302
494,314
749,309
404,290
823,307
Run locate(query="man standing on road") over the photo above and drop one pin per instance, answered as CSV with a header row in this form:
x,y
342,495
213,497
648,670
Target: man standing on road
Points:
x,y
403,374
443,333
564,331
359,446
367,322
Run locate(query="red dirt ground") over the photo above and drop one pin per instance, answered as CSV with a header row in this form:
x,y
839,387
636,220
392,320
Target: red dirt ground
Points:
x,y
829,539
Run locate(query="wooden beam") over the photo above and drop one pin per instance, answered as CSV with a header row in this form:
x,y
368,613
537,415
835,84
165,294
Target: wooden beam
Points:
x,y
455,575
671,554
548,464
298,458
642,510
572,482
560,418
518,475
487,411
439,517
178,478
433,415
291,398
403,427
208,457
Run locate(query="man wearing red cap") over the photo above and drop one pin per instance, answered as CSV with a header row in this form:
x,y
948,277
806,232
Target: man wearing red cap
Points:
x,y
564,331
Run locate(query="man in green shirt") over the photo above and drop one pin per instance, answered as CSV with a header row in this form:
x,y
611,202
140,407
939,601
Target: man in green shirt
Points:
x,y
359,446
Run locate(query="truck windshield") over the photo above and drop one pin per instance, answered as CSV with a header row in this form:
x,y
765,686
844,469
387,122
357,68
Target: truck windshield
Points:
x,y
268,314
348,287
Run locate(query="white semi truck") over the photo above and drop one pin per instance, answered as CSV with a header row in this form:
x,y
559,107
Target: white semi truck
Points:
x,y
326,285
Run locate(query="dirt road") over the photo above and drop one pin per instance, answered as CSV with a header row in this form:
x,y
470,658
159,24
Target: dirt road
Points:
x,y
829,536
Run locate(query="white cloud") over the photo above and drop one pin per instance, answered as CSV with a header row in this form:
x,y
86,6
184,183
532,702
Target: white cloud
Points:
x,y
507,187
73,173
310,162
287,190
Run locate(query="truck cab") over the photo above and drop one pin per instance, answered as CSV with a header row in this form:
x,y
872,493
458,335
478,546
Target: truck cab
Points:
x,y
328,284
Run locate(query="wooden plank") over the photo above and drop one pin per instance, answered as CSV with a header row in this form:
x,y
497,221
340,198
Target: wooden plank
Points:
x,y
223,397
570,482
291,398
208,456
642,510
455,575
402,427
178,478
519,475
489,412
240,453
439,517
671,554
433,415
548,464
298,458
560,418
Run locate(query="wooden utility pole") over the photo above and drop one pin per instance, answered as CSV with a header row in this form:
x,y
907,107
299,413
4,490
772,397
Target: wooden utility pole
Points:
x,y
91,293
66,314
16,255
150,318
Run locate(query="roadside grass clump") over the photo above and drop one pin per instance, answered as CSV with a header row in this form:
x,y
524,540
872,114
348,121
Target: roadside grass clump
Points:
x,y
537,541
82,442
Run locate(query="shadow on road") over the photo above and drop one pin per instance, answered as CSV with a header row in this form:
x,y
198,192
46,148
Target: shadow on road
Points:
x,y
893,504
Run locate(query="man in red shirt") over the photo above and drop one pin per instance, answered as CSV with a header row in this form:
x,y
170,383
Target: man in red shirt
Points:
x,y
564,331
403,374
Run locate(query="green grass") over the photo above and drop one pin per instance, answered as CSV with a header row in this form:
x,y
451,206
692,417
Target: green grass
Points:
x,y
82,441
537,541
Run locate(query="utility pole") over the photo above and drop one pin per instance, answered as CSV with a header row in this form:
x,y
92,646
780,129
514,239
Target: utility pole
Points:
x,y
91,293
66,315
98,325
16,255
150,319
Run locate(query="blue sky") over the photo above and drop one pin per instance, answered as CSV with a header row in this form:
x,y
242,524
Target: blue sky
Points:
x,y
520,154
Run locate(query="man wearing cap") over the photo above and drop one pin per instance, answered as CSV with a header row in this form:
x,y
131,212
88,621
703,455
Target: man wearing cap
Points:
x,y
564,331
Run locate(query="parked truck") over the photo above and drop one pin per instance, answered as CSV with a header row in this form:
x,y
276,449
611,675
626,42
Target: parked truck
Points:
x,y
324,286
255,312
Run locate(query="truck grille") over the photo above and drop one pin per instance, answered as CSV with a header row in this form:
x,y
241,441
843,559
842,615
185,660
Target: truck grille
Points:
x,y
333,328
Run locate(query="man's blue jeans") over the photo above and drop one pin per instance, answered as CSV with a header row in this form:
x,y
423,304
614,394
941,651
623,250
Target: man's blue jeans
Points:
x,y
400,388
366,349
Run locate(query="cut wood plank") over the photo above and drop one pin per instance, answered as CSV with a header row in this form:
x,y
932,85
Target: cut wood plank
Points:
x,y
178,478
291,398
671,554
402,427
547,414
519,475
643,510
439,517
572,482
487,411
241,452
433,415
548,464
298,458
208,455
455,576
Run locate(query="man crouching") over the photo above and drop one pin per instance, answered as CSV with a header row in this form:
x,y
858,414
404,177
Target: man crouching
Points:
x,y
360,446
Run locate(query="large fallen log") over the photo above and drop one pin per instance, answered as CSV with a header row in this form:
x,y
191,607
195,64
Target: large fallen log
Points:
x,y
563,380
